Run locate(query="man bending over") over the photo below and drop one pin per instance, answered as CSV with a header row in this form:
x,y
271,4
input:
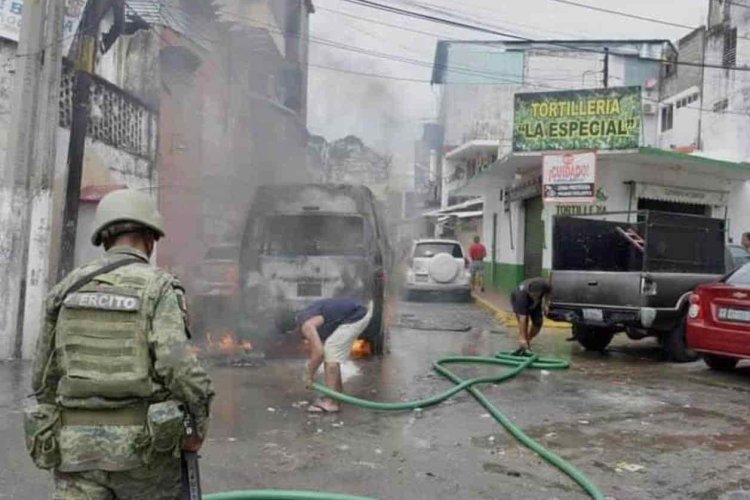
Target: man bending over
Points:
x,y
331,326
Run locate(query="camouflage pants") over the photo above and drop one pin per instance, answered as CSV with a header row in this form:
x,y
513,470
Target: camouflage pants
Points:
x,y
157,481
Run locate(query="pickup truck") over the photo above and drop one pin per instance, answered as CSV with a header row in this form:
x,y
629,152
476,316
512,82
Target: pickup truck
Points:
x,y
633,272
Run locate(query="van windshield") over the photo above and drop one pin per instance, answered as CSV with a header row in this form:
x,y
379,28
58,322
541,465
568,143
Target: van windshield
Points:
x,y
296,235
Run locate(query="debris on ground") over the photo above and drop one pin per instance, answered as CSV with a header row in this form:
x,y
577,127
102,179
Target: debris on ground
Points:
x,y
627,467
412,323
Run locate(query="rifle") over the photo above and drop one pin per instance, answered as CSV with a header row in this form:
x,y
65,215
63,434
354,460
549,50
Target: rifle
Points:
x,y
191,477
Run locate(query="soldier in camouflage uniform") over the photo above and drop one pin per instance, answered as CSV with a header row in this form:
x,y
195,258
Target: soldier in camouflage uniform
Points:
x,y
110,352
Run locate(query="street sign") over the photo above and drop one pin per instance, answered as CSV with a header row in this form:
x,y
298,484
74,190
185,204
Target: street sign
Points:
x,y
11,12
569,178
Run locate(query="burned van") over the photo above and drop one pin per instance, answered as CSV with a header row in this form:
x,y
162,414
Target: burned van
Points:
x,y
307,242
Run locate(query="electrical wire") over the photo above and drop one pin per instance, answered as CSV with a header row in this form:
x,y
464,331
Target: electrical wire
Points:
x,y
577,48
445,10
634,16
424,64
79,30
625,14
493,77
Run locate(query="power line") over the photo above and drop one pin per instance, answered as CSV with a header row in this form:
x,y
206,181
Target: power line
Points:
x,y
473,27
81,29
398,26
523,83
372,75
382,23
493,77
468,18
633,16
624,14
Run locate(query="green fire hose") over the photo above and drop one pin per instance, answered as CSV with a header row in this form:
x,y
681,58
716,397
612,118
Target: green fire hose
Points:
x,y
280,495
519,364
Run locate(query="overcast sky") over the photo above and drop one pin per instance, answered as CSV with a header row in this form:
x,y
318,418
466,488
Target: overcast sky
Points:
x,y
387,113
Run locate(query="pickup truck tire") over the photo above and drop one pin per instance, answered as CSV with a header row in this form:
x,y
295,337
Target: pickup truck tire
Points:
x,y
720,363
675,345
593,338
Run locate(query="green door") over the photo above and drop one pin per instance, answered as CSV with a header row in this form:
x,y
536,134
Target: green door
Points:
x,y
533,244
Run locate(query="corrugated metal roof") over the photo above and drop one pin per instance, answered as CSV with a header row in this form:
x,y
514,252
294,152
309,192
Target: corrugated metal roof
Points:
x,y
160,13
170,14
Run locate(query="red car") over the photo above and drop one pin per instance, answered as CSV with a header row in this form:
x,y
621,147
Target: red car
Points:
x,y
718,323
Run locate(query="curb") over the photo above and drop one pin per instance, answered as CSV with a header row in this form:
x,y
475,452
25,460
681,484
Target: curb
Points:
x,y
508,318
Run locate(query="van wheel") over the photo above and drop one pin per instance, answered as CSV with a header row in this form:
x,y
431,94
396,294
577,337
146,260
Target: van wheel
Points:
x,y
674,345
720,363
592,338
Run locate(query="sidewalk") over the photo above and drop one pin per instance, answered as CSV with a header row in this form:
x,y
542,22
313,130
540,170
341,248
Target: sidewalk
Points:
x,y
498,304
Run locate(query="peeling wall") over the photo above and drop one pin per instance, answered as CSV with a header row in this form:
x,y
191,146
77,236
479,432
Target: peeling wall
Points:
x,y
103,165
726,102
7,75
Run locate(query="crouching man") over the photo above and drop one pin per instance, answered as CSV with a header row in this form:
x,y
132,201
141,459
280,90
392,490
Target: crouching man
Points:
x,y
331,326
530,303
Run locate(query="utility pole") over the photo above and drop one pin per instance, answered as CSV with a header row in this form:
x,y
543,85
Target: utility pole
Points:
x,y
14,183
85,61
84,52
42,174
606,68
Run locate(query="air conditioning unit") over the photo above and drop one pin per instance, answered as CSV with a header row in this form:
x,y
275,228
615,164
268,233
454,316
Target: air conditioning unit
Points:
x,y
649,109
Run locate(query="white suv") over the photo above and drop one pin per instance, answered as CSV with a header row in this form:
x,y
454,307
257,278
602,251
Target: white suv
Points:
x,y
438,266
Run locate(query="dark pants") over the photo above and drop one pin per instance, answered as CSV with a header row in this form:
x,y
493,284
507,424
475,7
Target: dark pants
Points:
x,y
535,314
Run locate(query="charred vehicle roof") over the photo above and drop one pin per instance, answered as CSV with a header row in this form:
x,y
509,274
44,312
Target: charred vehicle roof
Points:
x,y
296,198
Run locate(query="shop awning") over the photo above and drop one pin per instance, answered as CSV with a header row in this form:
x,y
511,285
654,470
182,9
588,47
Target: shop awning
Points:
x,y
471,205
694,162
513,166
681,195
471,148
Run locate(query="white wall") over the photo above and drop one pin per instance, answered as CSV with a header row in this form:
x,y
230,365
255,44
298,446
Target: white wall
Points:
x,y
725,133
612,175
510,228
739,211
103,165
685,122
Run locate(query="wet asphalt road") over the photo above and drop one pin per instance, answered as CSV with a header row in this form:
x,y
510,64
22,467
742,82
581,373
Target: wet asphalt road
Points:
x,y
639,428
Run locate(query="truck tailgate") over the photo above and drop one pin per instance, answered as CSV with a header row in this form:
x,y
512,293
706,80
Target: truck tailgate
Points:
x,y
596,288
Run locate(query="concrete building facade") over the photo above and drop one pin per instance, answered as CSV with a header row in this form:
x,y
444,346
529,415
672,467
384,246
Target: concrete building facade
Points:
x,y
479,82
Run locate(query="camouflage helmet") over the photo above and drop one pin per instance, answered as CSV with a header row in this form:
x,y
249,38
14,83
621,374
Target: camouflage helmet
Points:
x,y
128,207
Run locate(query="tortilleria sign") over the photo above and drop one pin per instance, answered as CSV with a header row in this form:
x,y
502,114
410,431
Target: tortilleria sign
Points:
x,y
569,178
600,119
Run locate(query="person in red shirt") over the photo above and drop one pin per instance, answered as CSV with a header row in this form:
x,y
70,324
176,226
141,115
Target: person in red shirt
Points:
x,y
477,253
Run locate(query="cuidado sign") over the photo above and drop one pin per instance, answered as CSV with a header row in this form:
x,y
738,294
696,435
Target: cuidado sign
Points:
x,y
569,178
598,119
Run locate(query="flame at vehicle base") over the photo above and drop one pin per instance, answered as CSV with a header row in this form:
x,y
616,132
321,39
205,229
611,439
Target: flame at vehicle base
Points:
x,y
361,349
224,343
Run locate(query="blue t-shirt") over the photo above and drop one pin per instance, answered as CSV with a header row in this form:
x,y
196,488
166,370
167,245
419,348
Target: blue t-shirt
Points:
x,y
335,312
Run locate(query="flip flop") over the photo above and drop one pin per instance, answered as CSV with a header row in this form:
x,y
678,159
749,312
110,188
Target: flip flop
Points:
x,y
320,409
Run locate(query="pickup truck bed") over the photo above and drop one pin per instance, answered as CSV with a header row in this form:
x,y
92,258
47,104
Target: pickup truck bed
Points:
x,y
612,275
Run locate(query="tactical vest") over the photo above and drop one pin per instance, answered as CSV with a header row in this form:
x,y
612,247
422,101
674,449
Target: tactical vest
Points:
x,y
102,336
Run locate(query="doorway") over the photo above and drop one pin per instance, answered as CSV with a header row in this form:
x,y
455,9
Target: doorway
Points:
x,y
673,207
533,245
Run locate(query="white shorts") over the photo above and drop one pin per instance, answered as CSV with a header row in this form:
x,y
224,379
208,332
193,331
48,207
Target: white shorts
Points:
x,y
338,347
